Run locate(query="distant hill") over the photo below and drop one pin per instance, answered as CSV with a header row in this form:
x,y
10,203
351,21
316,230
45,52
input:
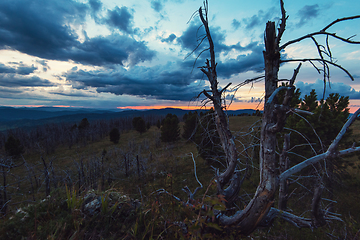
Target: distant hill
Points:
x,y
31,117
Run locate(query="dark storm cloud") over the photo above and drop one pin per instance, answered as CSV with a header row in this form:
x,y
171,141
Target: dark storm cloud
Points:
x,y
21,69
160,82
251,61
25,70
95,8
9,91
169,39
157,5
307,13
41,28
112,49
95,5
336,87
259,20
71,94
44,64
6,69
12,80
244,62
235,24
121,19
193,35
253,100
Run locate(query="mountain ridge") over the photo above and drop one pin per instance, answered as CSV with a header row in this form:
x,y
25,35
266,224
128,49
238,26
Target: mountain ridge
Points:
x,y
11,118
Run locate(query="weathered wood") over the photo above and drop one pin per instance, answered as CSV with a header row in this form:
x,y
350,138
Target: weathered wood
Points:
x,y
284,165
259,211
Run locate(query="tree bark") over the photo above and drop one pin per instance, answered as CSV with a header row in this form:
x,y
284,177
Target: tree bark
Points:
x,y
284,165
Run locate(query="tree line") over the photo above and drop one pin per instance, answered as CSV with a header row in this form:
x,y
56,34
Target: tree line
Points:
x,y
50,136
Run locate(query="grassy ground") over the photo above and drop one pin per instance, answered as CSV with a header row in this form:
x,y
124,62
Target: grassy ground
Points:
x,y
169,167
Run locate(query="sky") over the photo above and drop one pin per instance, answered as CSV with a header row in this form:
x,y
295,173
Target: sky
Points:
x,y
120,54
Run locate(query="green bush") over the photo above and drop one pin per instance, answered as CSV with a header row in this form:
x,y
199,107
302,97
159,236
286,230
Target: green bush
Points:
x,y
190,120
13,147
114,135
83,124
207,138
170,131
139,124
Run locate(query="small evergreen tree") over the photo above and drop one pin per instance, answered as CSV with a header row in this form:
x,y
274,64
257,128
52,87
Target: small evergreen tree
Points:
x,y
327,120
83,124
13,147
114,135
139,124
207,138
190,120
170,130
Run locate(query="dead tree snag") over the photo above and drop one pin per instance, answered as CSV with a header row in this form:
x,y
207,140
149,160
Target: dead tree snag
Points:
x,y
260,211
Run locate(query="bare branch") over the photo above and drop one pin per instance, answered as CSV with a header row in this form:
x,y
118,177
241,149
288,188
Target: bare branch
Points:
x,y
339,20
222,90
319,60
296,72
273,95
191,195
282,24
296,110
321,144
347,40
299,222
331,151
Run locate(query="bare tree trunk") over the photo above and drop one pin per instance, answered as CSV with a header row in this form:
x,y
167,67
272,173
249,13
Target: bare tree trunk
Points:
x,y
330,181
317,212
47,178
30,179
126,166
102,171
138,165
284,165
4,205
53,175
82,172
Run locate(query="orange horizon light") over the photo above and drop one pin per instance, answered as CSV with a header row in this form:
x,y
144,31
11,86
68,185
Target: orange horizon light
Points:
x,y
234,106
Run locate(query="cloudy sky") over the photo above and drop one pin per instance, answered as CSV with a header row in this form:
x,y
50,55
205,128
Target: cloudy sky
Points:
x,y
135,54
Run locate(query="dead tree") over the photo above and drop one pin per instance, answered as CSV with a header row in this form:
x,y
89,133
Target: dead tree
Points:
x,y
260,211
47,177
30,171
6,165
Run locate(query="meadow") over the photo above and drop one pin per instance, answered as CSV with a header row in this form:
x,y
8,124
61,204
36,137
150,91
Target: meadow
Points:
x,y
133,184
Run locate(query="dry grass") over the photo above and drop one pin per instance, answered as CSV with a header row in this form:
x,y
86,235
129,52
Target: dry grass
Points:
x,y
172,168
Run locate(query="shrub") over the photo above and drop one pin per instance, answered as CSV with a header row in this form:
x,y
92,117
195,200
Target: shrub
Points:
x,y
190,120
114,135
13,147
139,124
207,138
84,124
170,131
